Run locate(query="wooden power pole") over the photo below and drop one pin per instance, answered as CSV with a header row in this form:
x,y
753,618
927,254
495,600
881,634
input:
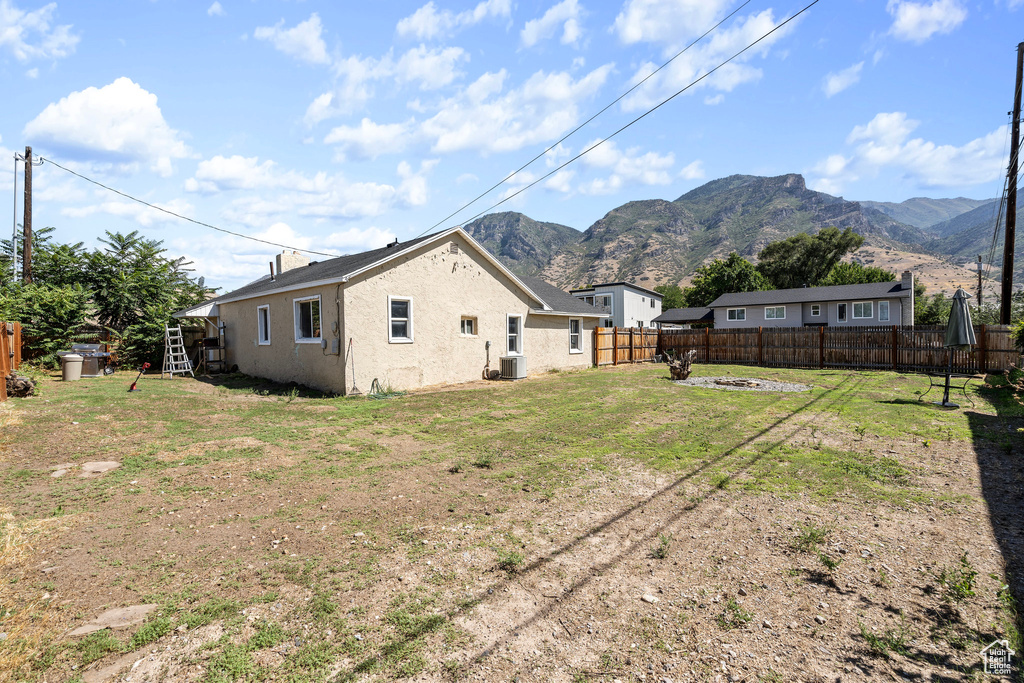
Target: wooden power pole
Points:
x,y
1011,196
26,245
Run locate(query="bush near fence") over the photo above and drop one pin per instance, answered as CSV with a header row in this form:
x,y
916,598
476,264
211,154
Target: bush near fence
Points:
x,y
901,349
10,353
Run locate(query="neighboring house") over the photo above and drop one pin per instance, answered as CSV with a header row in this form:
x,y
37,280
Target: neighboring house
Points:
x,y
629,305
878,303
434,310
684,318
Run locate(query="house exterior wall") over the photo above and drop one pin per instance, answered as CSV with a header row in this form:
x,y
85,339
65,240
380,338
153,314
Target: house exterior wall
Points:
x,y
799,314
628,306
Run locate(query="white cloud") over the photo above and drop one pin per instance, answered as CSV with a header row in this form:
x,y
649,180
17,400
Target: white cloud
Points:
x,y
835,83
627,167
917,22
368,140
428,22
712,100
885,143
29,35
215,10
667,21
119,123
139,213
32,73
561,181
431,69
693,171
702,58
304,42
565,15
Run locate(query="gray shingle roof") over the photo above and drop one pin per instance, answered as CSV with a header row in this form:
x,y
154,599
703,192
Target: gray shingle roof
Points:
x,y
616,284
874,290
685,315
559,301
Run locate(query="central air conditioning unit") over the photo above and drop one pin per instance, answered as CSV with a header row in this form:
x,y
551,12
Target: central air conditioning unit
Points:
x,y
513,367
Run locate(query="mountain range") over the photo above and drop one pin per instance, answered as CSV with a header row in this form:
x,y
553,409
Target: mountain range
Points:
x,y
655,241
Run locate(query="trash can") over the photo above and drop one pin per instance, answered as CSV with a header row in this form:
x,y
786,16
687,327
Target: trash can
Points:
x,y
71,367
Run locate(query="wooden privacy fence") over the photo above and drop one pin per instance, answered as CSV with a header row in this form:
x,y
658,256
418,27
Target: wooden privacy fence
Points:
x,y
10,353
902,349
615,345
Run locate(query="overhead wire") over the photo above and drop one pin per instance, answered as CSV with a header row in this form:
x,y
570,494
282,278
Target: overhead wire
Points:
x,y
184,218
580,126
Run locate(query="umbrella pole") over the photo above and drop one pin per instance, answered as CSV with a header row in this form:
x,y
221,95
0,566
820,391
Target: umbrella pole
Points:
x,y
949,371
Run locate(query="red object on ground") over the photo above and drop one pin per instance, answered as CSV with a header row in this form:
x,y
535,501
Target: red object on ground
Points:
x,y
145,366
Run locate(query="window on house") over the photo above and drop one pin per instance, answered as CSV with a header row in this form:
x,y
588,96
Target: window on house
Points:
x,y
841,313
307,320
775,313
883,311
589,300
736,314
399,320
575,339
639,323
469,327
608,322
515,334
263,325
815,309
863,309
652,303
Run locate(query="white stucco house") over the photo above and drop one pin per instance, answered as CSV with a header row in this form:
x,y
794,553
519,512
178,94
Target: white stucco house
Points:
x,y
629,305
434,310
877,303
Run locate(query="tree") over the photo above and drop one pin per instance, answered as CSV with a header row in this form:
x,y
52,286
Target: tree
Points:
x,y
853,273
52,317
933,310
805,259
734,274
674,297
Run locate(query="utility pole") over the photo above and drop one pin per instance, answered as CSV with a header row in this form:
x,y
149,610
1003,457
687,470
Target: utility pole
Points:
x,y
26,246
979,282
1011,196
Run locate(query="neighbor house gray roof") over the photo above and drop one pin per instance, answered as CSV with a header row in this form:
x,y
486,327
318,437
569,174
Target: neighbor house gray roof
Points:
x,y
561,301
686,315
616,284
800,295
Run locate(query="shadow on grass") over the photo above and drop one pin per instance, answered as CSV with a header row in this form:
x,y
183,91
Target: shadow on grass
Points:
x,y
236,381
638,548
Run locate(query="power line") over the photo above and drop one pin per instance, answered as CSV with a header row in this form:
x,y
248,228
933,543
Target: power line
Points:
x,y
184,218
577,128
645,114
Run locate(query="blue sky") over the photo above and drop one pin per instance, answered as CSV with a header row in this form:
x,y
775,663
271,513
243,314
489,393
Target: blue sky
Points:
x,y
339,126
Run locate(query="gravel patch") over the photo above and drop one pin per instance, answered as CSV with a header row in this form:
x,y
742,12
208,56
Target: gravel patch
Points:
x,y
763,384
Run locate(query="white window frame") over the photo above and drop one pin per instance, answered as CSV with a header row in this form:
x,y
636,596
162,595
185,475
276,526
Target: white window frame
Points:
x,y
519,335
462,326
736,314
652,302
776,309
578,348
841,312
296,305
816,310
871,310
263,330
883,311
409,327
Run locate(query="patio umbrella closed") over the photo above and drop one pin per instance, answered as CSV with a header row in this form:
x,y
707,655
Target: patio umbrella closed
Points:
x,y
959,335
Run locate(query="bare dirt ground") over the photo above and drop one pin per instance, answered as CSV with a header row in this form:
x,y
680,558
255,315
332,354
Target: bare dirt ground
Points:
x,y
417,563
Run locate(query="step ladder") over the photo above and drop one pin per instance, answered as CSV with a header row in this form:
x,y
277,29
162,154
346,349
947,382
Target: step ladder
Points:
x,y
175,358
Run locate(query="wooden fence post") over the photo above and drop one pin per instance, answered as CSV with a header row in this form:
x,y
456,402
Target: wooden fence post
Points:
x,y
596,357
615,345
760,347
632,347
707,344
983,351
895,347
821,348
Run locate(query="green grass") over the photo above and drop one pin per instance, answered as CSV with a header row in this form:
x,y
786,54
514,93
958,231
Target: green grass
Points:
x,y
733,616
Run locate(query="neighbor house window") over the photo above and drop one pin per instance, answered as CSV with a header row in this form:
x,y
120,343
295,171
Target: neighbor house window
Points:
x,y
307,320
263,325
575,338
775,313
883,310
863,309
469,327
399,320
639,323
515,334
736,314
841,312
815,309
652,303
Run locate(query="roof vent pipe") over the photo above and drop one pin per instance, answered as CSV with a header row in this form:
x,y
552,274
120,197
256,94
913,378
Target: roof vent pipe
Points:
x,y
393,244
271,271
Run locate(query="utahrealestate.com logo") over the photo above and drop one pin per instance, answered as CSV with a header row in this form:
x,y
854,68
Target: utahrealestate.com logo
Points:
x,y
998,658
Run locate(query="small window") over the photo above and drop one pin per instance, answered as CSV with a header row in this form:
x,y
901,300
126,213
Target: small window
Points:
x,y
863,309
736,314
263,325
399,320
841,313
775,313
652,303
307,320
639,323
883,311
453,248
815,309
515,334
469,327
575,338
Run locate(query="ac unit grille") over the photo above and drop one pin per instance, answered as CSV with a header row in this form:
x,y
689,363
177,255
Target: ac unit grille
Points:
x,y
513,367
